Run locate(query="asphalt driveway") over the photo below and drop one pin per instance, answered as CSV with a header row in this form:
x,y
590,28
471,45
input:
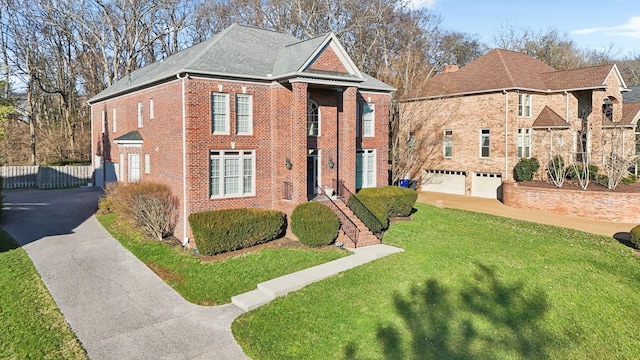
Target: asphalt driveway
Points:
x,y
117,306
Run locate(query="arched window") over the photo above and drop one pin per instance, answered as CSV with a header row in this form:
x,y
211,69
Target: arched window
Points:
x,y
313,118
607,109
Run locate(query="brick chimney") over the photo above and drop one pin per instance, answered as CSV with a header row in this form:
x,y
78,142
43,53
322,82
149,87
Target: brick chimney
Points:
x,y
450,68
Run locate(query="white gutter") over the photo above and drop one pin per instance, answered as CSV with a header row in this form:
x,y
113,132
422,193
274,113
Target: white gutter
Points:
x,y
185,239
506,133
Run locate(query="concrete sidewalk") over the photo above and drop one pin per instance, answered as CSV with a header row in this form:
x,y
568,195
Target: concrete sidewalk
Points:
x,y
116,305
495,207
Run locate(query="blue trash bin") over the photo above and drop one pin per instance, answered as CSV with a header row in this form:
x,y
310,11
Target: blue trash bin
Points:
x,y
404,183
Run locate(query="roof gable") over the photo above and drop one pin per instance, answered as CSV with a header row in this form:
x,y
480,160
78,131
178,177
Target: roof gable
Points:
x,y
549,119
630,113
581,78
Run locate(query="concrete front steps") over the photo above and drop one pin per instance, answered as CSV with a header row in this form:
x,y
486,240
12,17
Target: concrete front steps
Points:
x,y
365,237
269,290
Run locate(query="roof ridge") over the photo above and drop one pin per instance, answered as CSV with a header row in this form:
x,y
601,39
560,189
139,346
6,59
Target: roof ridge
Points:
x,y
214,40
506,68
611,65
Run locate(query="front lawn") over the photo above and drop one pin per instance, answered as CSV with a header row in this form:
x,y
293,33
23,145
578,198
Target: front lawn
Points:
x,y
215,282
469,286
31,326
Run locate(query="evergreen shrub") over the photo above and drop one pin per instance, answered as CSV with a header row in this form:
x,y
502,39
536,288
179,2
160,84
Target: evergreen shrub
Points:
x,y
215,232
314,224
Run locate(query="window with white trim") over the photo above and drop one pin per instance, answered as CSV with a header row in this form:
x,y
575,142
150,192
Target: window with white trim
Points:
x,y
485,143
140,114
134,168
151,109
447,143
114,119
368,119
524,105
104,120
220,113
244,114
313,118
524,142
365,168
232,173
147,163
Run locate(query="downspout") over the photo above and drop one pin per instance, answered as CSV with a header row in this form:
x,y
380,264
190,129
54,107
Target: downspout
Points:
x,y
93,150
185,238
506,132
566,107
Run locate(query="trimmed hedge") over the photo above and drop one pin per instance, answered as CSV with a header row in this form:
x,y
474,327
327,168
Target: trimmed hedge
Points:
x,y
635,236
525,169
386,202
314,224
220,231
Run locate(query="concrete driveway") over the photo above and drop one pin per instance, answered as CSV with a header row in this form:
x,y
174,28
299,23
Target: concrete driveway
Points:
x,y
118,308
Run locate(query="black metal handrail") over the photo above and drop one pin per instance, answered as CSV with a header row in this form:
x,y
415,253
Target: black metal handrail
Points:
x,y
359,209
348,226
288,191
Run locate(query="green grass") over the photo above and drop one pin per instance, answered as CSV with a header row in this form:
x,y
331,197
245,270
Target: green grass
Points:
x,y
215,282
31,326
469,286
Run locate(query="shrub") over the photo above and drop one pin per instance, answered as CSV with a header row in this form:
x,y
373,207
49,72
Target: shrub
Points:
x,y
1,202
630,180
525,169
220,231
151,206
602,180
385,202
635,236
593,172
314,224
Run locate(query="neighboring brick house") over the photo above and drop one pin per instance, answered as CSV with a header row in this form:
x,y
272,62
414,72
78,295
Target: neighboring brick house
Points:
x,y
250,118
507,105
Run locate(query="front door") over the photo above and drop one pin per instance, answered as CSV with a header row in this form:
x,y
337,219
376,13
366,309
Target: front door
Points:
x,y
313,173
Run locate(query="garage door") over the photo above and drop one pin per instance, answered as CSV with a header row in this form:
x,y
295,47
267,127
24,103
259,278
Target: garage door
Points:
x,y
444,181
486,185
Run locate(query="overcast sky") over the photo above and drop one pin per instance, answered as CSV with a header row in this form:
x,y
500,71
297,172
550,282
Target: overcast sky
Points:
x,y
590,23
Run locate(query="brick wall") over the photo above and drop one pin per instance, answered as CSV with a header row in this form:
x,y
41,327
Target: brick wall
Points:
x,y
279,133
595,205
328,61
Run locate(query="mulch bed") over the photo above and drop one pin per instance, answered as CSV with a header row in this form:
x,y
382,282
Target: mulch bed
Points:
x,y
283,242
573,185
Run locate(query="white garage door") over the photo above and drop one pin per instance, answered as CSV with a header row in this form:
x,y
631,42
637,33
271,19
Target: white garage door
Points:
x,y
444,181
486,185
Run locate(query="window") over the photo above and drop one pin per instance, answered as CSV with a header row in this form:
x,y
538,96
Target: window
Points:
x,y
104,120
151,110
134,168
524,105
244,115
232,173
638,139
607,109
147,164
113,120
365,169
140,114
485,142
448,143
368,119
313,118
219,113
524,142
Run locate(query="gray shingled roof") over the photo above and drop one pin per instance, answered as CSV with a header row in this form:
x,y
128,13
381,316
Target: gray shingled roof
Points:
x,y
633,95
130,136
240,52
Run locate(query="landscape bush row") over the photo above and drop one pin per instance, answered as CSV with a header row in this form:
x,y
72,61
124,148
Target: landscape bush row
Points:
x,y
384,203
557,171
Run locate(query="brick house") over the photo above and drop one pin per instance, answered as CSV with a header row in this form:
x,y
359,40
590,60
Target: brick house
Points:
x,y
249,118
507,105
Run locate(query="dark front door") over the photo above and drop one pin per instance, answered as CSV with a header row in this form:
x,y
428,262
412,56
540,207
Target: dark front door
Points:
x,y
312,173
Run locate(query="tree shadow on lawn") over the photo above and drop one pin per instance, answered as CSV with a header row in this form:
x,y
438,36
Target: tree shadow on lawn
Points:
x,y
494,318
624,238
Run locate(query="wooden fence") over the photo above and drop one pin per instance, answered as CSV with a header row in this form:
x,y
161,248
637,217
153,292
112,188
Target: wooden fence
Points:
x,y
45,177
